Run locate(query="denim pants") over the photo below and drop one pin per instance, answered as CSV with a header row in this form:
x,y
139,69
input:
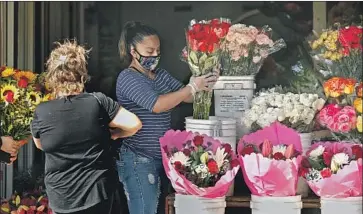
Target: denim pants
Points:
x,y
141,180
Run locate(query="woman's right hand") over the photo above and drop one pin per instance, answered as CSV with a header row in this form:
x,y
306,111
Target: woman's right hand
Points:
x,y
203,83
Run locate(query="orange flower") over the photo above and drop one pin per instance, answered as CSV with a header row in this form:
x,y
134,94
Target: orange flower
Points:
x,y
349,86
358,89
358,105
334,87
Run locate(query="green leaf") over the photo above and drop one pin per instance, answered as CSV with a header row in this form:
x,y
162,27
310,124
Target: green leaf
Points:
x,y
193,57
210,62
203,58
315,164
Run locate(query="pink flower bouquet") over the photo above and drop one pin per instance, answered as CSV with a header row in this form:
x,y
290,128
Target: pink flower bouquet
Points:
x,y
197,164
245,48
333,169
270,160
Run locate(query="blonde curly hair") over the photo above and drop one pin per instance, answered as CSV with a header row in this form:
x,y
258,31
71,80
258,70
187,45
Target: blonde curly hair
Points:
x,y
67,68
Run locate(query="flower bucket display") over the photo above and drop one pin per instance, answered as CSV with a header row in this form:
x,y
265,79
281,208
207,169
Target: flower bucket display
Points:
x,y
270,160
27,203
202,55
338,165
198,167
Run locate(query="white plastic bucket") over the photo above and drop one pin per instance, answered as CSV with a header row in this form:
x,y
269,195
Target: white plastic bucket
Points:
x,y
232,97
276,205
351,205
190,204
302,187
221,128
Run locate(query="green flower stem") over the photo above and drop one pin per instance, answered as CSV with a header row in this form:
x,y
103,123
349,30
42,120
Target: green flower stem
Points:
x,y
201,105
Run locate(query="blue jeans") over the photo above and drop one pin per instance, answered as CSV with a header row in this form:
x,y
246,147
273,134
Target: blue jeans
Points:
x,y
141,180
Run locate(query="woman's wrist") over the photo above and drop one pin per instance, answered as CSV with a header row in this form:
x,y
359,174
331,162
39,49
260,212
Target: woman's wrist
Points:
x,y
192,88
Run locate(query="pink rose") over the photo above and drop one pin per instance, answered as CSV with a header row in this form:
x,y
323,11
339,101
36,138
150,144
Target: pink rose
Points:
x,y
344,127
344,120
325,116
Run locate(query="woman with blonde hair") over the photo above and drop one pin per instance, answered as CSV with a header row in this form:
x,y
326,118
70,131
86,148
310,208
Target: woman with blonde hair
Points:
x,y
74,132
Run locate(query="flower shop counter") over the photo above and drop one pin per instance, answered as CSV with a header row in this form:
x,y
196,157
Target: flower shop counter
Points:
x,y
243,201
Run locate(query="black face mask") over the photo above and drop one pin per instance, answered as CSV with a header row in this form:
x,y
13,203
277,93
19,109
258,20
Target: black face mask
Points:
x,y
148,62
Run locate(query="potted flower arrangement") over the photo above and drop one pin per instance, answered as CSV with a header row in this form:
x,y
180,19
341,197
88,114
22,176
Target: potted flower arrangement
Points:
x,y
201,170
338,165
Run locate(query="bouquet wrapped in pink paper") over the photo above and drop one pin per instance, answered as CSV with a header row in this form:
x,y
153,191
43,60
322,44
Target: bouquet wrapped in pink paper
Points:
x,y
270,160
334,169
197,164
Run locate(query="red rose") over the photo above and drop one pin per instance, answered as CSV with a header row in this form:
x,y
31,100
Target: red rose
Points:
x,y
357,151
227,148
213,167
178,165
278,156
198,140
247,150
234,163
327,156
186,152
303,171
325,173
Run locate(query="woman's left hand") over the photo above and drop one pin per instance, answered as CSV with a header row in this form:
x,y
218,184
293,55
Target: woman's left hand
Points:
x,y
216,72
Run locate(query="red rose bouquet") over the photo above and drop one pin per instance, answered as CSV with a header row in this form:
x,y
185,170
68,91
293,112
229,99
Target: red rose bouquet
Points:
x,y
333,169
197,164
202,55
245,48
343,115
270,160
339,52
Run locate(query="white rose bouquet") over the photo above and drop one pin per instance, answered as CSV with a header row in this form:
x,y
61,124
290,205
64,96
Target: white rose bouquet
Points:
x,y
296,111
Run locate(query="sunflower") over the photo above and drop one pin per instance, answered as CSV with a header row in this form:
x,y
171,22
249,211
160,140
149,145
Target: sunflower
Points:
x,y
7,72
28,75
9,93
47,97
33,98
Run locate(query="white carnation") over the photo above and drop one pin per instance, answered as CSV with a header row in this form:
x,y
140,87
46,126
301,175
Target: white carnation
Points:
x,y
338,161
317,152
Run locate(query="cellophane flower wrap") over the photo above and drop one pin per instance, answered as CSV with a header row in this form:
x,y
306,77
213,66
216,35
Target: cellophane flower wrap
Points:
x,y
297,111
202,55
197,164
270,160
343,113
338,51
20,93
334,169
244,49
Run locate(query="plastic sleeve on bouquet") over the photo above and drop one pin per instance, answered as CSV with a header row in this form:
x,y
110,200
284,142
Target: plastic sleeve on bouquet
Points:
x,y
268,177
176,139
346,183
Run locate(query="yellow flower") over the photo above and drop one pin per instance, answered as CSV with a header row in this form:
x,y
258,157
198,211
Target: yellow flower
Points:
x,y
33,98
315,45
9,93
327,54
28,75
8,72
204,157
324,35
359,123
47,97
358,104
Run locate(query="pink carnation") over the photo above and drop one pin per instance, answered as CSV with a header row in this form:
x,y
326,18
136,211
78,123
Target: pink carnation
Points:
x,y
244,39
263,39
325,116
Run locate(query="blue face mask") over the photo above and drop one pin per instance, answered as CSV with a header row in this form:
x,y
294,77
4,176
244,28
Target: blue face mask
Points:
x,y
148,62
